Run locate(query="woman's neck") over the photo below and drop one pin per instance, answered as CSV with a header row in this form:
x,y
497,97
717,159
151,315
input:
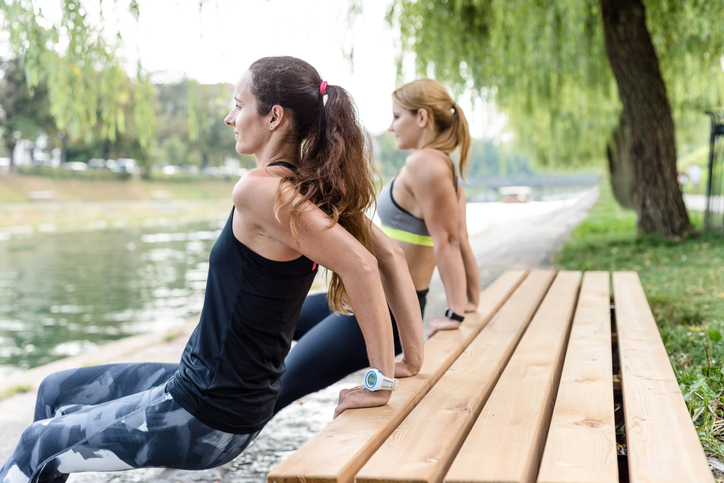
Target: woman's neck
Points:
x,y
427,137
289,153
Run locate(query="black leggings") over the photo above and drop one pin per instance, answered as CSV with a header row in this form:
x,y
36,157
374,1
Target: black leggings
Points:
x,y
114,417
330,346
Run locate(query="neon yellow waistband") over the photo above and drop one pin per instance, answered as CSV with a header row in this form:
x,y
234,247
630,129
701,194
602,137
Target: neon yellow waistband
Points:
x,y
407,237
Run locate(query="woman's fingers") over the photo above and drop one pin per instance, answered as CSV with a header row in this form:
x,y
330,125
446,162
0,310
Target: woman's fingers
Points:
x,y
360,397
441,323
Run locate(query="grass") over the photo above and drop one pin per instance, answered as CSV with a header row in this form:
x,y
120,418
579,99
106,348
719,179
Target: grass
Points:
x,y
17,389
684,282
15,188
83,203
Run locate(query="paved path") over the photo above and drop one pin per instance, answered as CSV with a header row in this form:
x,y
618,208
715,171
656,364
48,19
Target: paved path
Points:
x,y
503,237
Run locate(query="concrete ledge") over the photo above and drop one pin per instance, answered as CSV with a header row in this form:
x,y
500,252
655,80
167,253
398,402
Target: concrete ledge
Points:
x,y
165,346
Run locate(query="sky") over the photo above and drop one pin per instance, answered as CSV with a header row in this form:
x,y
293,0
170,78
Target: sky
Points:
x,y
216,44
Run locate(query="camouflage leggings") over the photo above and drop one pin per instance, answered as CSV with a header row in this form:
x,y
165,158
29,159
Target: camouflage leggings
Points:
x,y
114,417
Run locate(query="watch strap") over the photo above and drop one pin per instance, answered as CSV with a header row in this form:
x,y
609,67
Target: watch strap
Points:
x,y
389,384
453,316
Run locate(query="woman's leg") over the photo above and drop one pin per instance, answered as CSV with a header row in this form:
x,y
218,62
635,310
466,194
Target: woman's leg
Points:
x,y
66,391
314,310
146,429
329,351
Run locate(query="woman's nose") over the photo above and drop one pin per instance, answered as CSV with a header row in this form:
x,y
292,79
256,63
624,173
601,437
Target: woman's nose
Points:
x,y
228,120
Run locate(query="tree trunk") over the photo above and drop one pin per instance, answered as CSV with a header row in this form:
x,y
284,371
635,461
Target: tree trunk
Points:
x,y
657,197
11,155
619,164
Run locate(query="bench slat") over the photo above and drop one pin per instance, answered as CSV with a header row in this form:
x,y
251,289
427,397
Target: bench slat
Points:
x,y
422,448
581,444
338,451
661,441
506,442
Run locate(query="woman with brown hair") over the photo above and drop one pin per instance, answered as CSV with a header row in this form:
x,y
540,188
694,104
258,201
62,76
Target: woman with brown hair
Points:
x,y
423,210
302,206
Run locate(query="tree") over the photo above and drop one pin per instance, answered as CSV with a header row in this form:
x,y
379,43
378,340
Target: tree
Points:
x,y
657,196
88,90
193,114
24,111
550,65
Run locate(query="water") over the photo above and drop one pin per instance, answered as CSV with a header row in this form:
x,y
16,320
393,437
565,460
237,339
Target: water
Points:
x,y
66,293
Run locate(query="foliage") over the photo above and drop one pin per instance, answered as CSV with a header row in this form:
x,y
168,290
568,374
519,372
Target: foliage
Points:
x,y
545,64
191,131
88,175
684,285
89,92
23,111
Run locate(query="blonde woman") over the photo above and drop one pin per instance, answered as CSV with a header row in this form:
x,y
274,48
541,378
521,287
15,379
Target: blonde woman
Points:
x,y
423,210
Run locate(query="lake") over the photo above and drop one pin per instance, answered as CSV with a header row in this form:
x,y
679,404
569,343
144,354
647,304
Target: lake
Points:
x,y
63,293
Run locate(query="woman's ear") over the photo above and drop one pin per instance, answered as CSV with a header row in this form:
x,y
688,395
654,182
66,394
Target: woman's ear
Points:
x,y
276,117
422,117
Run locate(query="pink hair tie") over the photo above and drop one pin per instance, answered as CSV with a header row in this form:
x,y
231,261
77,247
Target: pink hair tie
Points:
x,y
323,88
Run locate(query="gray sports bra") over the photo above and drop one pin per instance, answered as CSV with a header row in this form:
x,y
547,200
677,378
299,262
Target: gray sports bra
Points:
x,y
398,223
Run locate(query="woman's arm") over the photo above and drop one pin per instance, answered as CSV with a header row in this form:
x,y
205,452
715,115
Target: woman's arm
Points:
x,y
472,275
334,248
430,181
401,297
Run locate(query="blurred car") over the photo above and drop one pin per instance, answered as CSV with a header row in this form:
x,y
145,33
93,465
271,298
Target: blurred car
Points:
x,y
126,164
75,166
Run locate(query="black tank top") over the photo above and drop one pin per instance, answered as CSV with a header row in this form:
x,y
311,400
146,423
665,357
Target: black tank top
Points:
x,y
230,371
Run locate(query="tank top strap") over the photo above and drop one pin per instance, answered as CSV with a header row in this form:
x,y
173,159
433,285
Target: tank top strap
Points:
x,y
283,164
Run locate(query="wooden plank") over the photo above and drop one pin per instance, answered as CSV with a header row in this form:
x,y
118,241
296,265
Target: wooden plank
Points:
x,y
338,451
581,444
423,446
506,442
661,441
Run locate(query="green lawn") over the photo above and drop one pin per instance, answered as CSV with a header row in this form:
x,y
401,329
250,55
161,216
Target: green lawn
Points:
x,y
684,283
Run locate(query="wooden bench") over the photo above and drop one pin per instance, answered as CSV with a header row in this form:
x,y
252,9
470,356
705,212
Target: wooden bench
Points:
x,y
524,392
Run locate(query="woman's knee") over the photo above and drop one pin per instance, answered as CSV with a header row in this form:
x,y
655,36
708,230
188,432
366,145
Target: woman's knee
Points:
x,y
47,398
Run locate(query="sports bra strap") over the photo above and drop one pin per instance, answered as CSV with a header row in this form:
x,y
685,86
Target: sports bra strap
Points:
x,y
454,174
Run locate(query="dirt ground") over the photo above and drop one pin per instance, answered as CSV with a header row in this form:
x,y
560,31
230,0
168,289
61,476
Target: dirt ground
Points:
x,y
525,242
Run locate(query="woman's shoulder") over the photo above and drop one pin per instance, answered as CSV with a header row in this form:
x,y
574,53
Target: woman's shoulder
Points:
x,y
255,186
428,159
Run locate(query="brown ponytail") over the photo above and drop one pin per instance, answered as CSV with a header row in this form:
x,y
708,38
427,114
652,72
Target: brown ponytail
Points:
x,y
336,171
445,116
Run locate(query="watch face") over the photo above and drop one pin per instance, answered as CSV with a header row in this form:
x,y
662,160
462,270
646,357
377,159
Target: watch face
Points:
x,y
371,379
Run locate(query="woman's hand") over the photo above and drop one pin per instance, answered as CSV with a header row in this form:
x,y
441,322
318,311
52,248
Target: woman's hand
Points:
x,y
442,323
360,397
404,369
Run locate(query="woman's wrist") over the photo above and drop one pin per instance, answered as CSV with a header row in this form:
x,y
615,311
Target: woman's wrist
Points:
x,y
457,316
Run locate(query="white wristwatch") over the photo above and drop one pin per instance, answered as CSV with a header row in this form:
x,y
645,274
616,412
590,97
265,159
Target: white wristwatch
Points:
x,y
375,380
